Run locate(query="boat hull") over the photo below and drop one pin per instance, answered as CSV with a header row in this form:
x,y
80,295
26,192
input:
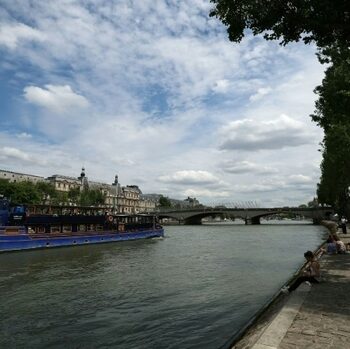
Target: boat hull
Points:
x,y
21,242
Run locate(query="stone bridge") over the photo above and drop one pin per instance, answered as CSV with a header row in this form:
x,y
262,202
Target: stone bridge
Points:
x,y
249,215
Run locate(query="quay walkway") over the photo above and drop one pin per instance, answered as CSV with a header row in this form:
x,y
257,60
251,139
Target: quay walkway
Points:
x,y
316,317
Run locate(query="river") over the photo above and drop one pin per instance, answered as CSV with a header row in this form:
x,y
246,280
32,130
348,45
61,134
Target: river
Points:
x,y
193,289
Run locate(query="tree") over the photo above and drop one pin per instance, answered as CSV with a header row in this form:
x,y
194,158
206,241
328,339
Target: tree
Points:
x,y
61,198
6,188
333,105
46,190
164,202
74,195
333,115
325,22
92,197
25,193
335,167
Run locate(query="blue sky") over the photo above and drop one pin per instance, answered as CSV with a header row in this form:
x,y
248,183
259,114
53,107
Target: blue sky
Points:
x,y
154,91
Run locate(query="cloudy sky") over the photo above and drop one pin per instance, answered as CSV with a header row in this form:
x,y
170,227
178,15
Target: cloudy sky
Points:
x,y
154,91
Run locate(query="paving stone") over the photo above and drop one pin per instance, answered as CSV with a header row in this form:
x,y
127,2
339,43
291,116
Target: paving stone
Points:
x,y
325,314
323,334
309,332
323,321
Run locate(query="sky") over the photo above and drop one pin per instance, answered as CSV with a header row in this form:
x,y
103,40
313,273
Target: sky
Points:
x,y
155,92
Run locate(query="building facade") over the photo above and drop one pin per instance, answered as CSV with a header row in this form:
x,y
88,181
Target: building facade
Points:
x,y
118,199
14,177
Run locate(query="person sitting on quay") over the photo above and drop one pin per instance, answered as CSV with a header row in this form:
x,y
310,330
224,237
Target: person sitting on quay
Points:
x,y
341,248
331,245
310,275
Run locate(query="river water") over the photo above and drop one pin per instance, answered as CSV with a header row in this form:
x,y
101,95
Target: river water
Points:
x,y
193,289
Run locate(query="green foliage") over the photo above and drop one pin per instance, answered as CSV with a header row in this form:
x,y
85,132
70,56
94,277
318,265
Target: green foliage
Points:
x,y
74,195
47,191
20,192
322,21
28,193
335,167
164,202
6,189
333,115
333,105
61,198
91,197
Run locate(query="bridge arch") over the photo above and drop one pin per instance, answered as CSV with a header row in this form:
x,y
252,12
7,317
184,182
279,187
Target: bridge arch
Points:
x,y
251,216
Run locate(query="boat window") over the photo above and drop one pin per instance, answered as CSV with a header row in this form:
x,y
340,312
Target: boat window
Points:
x,y
12,231
55,229
40,230
90,227
99,227
81,227
67,228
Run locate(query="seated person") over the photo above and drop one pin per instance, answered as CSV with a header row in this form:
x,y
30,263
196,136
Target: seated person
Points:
x,y
311,274
341,248
331,245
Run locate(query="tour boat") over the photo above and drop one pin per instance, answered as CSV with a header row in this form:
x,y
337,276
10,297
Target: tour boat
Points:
x,y
19,231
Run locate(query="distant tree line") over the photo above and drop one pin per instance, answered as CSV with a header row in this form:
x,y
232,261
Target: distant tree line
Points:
x,y
28,193
327,24
165,202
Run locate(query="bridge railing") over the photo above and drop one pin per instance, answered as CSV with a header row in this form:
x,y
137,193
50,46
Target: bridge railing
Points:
x,y
223,209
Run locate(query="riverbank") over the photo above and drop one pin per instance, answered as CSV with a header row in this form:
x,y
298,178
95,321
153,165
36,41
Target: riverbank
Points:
x,y
311,317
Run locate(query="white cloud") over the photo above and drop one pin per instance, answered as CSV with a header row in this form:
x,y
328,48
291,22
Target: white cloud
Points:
x,y
189,177
56,98
206,193
12,34
24,135
10,153
253,135
299,179
158,93
272,185
244,167
221,86
260,93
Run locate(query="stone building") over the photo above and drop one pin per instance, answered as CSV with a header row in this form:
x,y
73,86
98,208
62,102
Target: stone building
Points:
x,y
20,177
64,183
119,199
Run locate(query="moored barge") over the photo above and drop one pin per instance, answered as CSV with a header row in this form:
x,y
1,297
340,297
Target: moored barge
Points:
x,y
21,232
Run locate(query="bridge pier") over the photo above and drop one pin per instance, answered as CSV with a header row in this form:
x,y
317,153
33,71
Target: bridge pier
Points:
x,y
252,220
193,221
316,221
255,220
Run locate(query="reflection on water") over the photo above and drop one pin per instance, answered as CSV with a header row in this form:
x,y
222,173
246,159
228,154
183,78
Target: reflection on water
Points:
x,y
193,289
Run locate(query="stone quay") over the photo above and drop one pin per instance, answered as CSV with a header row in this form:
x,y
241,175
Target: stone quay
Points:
x,y
312,317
